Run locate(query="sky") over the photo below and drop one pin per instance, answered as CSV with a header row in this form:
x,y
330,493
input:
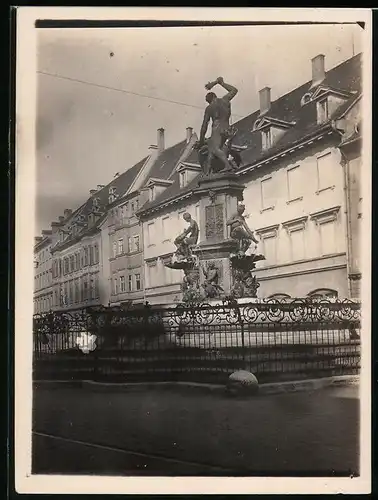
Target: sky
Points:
x,y
87,133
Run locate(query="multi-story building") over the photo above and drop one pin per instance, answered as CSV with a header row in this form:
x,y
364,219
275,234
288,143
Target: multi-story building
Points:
x,y
43,273
80,258
125,231
300,166
301,169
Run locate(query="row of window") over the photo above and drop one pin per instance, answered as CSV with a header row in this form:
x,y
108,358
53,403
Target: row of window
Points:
x,y
77,291
134,283
322,115
165,229
44,256
127,210
41,280
133,245
297,182
43,304
87,256
298,244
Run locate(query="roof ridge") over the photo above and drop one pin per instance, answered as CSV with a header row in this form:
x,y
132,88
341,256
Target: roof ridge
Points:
x,y
296,89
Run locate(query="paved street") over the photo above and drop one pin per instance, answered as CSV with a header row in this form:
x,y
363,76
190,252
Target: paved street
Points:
x,y
186,432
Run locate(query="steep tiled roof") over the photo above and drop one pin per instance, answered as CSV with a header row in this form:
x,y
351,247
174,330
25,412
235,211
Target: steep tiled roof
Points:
x,y
346,76
121,183
163,168
166,161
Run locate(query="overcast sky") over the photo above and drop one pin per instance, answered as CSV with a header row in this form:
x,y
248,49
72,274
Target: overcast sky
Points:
x,y
85,134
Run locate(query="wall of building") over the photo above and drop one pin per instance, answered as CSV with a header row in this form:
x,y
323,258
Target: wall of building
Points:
x,y
353,181
163,285
126,253
297,208
43,293
76,274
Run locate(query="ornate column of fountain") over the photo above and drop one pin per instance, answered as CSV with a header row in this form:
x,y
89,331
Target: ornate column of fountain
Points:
x,y
220,264
219,196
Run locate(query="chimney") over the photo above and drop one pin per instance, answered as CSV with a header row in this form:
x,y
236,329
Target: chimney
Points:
x,y
264,95
92,192
100,186
61,218
37,239
189,133
46,232
67,212
55,227
318,72
160,139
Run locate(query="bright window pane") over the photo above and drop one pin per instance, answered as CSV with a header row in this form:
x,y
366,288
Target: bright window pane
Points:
x,y
270,250
297,245
294,182
328,238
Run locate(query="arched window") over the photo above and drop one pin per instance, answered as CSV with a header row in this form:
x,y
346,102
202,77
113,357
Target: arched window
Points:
x,y
323,293
279,296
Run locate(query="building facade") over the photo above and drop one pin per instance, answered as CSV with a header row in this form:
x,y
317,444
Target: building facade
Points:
x,y
301,168
301,172
43,293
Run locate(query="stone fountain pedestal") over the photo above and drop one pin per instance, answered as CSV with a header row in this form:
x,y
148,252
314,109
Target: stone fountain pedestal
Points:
x,y
217,269
219,196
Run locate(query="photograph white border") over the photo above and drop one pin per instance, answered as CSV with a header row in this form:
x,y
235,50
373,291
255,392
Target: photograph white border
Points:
x,y
25,174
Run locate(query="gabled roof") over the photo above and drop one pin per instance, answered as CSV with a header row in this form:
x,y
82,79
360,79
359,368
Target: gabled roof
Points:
x,y
159,182
288,108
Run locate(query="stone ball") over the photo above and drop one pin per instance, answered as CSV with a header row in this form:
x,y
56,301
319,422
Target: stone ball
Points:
x,y
241,382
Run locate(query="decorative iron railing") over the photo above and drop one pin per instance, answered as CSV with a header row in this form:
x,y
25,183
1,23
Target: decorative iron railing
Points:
x,y
275,339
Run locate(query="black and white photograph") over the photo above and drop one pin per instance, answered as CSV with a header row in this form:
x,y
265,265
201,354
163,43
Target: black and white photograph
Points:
x,y
194,224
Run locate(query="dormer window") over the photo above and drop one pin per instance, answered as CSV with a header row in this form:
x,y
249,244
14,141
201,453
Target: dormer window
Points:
x,y
322,111
271,130
112,194
187,171
183,179
266,136
155,187
96,204
91,219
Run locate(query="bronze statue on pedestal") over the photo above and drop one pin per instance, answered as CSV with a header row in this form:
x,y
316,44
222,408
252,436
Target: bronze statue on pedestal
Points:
x,y
240,230
219,111
183,257
187,238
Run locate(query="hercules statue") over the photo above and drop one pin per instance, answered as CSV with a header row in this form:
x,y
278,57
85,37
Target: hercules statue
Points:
x,y
219,111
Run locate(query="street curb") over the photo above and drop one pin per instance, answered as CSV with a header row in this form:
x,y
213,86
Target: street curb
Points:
x,y
264,389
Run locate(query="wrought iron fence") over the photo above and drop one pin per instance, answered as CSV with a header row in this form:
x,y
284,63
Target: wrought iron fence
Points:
x,y
274,339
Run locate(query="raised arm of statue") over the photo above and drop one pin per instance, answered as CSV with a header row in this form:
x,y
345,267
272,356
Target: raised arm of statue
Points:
x,y
232,91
